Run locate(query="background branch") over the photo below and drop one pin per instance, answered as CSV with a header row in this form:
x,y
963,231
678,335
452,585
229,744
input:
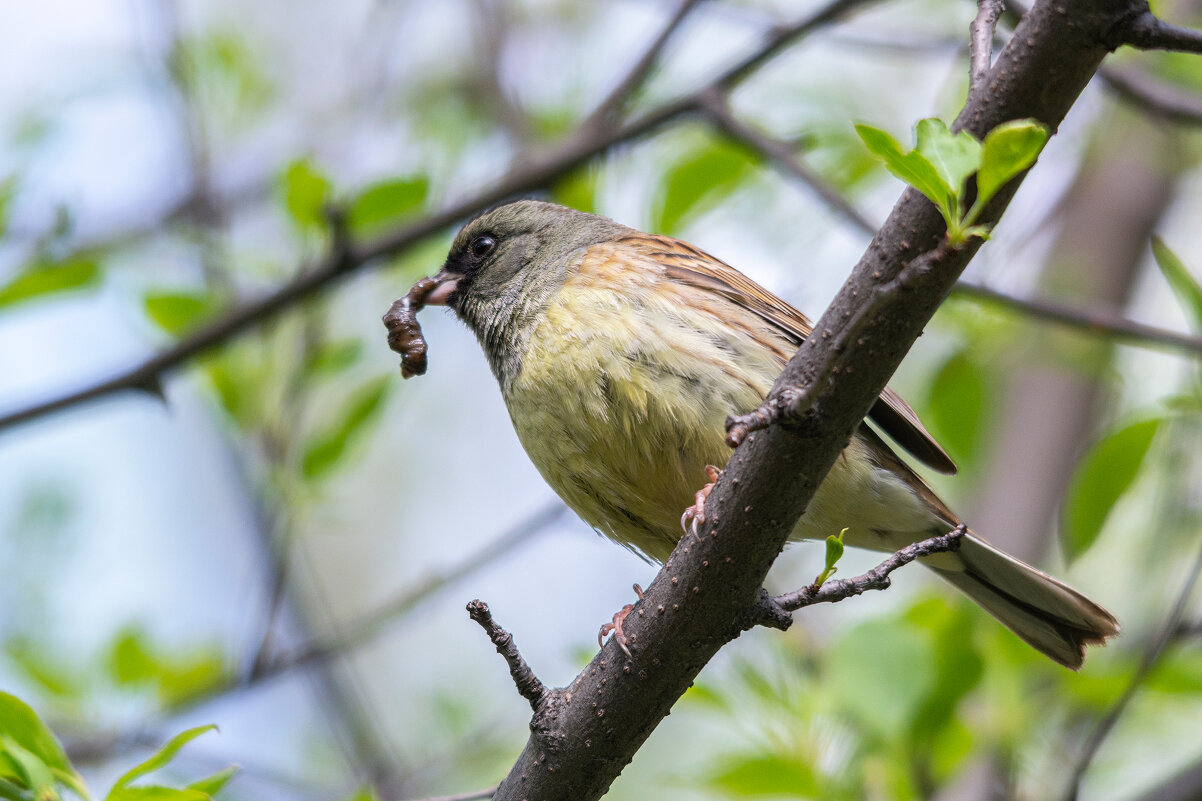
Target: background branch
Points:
x,y
1149,32
1151,658
537,173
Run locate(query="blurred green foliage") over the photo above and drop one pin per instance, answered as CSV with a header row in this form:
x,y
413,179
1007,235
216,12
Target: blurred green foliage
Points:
x,y
892,705
34,767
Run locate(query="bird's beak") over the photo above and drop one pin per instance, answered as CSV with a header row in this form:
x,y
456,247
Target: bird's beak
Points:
x,y
444,284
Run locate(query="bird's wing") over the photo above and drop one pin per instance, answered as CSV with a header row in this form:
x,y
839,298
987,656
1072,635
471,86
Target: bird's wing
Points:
x,y
685,263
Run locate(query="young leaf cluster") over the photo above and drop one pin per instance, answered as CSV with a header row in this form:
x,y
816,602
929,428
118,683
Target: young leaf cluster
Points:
x,y
941,163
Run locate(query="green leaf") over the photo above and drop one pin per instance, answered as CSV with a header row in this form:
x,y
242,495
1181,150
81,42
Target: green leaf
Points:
x,y
954,156
8,190
363,794
306,194
131,658
157,793
328,447
699,181
578,189
29,769
884,701
385,203
176,312
11,791
1008,149
45,669
193,674
331,358
765,776
958,403
158,760
1106,471
834,552
21,724
911,167
958,666
212,785
1184,285
49,278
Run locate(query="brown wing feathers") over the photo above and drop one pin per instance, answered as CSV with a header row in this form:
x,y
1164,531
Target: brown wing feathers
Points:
x,y
687,264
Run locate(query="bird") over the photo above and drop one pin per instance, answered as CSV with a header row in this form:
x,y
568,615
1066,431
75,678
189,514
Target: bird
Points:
x,y
620,354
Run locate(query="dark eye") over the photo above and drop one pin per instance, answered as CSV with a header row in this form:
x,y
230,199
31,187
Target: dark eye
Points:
x,y
481,246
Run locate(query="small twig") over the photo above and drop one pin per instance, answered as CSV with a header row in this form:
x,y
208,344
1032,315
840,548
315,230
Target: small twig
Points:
x,y
1149,32
474,795
776,151
1098,321
1148,663
529,686
610,109
981,41
788,403
875,579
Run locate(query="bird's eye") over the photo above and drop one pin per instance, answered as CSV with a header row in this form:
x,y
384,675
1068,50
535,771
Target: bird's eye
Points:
x,y
481,246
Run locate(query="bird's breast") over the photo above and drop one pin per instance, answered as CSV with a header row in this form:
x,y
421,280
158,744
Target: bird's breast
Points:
x,y
621,402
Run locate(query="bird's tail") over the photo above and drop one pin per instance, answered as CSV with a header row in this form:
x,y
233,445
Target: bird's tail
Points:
x,y
1049,615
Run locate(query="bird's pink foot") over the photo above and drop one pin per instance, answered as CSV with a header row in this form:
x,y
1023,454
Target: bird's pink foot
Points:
x,y
616,625
694,516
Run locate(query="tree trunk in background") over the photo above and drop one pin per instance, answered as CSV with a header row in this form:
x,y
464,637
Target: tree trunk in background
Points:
x,y
1053,397
1052,400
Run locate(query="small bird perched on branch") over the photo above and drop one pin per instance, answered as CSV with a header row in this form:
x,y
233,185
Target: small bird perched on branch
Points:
x,y
620,355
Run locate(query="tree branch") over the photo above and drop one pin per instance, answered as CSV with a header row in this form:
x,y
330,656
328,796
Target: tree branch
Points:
x,y
981,41
538,172
706,593
875,579
528,684
1096,321
776,151
609,110
1148,32
1154,96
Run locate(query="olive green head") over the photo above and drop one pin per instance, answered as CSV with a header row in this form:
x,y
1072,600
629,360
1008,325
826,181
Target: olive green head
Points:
x,y
506,265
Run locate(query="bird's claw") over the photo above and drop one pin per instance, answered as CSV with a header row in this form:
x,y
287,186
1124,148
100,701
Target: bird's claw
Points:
x,y
694,516
615,625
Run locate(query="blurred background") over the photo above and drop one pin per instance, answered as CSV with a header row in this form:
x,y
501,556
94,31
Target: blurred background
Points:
x,y
278,535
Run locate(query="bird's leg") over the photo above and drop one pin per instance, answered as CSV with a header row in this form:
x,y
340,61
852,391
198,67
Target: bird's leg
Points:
x,y
694,516
616,625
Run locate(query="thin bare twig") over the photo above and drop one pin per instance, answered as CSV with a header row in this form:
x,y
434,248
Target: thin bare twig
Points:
x,y
532,175
875,579
1149,32
528,684
1148,663
981,41
610,110
1097,321
776,151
